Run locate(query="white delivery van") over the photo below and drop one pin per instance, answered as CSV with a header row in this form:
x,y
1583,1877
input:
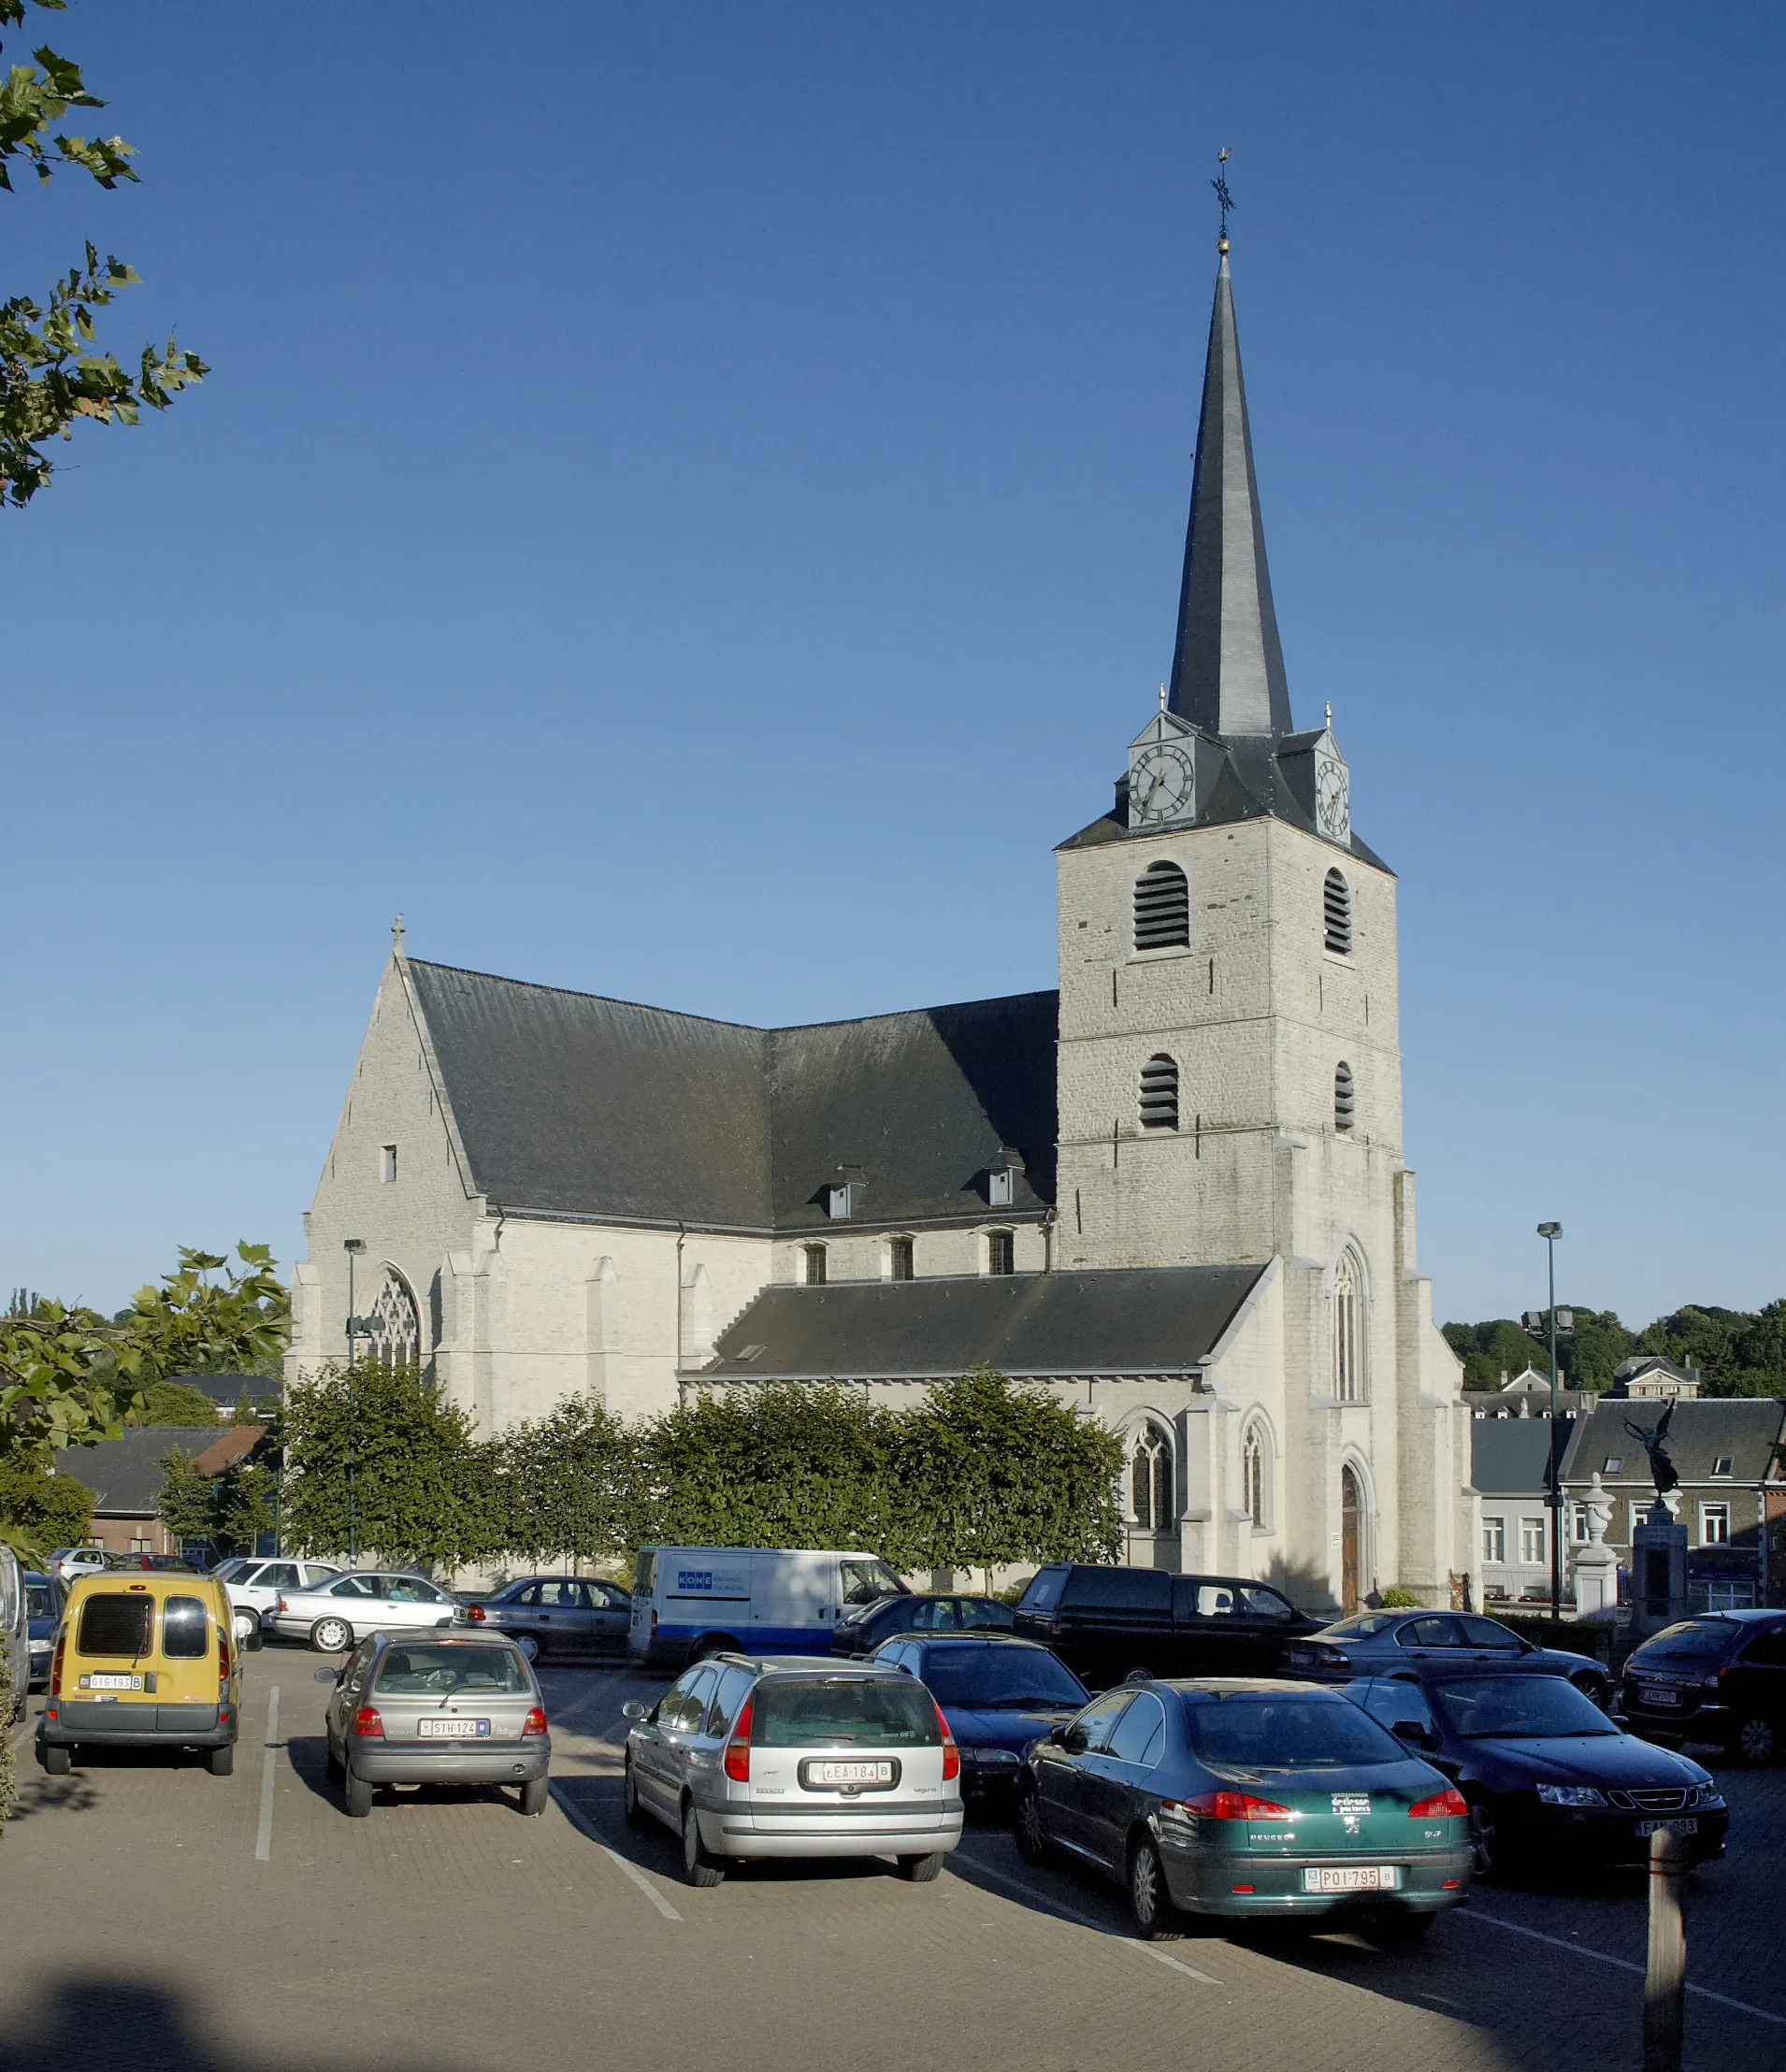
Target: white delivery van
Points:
x,y
693,1600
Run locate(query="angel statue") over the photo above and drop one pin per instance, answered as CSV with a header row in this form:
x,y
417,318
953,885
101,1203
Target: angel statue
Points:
x,y
1662,1469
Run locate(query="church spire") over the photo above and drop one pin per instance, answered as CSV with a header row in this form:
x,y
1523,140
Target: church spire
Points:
x,y
1228,671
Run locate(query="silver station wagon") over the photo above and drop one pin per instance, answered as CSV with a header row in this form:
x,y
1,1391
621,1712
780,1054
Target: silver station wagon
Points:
x,y
794,1756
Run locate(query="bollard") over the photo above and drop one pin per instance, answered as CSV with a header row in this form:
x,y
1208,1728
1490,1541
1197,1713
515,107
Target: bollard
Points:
x,y
1665,1984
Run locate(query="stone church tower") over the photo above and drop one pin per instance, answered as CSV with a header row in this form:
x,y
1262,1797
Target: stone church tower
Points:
x,y
1173,1192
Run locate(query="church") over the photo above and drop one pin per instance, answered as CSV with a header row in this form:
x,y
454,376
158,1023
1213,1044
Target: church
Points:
x,y
1173,1190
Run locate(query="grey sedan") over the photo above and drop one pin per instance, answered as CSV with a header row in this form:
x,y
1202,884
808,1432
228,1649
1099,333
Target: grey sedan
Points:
x,y
1386,1643
558,1615
440,1708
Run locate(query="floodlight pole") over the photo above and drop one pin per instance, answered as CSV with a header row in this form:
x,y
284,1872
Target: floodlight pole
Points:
x,y
1550,1232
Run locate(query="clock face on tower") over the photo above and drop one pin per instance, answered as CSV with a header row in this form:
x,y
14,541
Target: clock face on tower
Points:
x,y
1160,783
1332,800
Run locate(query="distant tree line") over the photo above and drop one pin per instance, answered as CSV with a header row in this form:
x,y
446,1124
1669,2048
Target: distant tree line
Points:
x,y
1738,1352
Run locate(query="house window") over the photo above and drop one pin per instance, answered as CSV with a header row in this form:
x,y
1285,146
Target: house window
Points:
x,y
1160,1093
1494,1540
1150,1479
1722,1466
900,1266
1162,908
1254,1488
389,1162
1578,1523
1000,1252
1714,1525
812,1265
1531,1549
1336,912
1349,1330
1343,1096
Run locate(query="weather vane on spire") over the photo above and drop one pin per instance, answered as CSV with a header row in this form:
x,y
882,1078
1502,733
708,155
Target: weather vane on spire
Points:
x,y
1227,200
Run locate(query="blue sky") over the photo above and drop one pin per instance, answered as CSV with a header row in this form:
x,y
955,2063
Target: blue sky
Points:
x,y
688,506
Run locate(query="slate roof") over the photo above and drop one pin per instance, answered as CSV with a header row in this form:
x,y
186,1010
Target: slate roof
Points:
x,y
573,1106
1511,1456
1746,1428
1125,1320
126,1475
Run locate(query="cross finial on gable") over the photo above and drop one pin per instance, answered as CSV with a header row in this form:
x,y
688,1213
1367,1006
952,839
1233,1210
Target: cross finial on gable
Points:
x,y
1163,698
397,936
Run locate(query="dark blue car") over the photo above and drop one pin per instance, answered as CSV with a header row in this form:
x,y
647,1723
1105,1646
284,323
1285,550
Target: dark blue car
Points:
x,y
1386,1644
43,1607
997,1696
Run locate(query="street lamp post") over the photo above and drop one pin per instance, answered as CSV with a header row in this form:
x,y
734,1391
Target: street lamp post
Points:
x,y
353,1246
1550,1232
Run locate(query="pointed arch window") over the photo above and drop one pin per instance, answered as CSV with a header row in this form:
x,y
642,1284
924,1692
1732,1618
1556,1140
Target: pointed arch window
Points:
x,y
1336,913
394,1338
1345,1096
1160,1093
1350,1376
1150,1479
1255,1477
1162,908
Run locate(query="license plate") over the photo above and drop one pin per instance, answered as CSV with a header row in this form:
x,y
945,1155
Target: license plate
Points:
x,y
108,1681
454,1730
1654,1694
1352,1877
850,1773
1689,1826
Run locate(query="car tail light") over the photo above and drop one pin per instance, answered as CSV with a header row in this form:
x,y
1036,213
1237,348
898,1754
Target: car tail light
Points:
x,y
55,1667
366,1721
1232,1805
536,1722
737,1748
282,1604
475,1614
951,1754
223,1662
1448,1805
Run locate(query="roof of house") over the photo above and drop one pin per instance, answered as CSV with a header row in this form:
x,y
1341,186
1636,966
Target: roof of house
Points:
x,y
1511,1456
574,1105
1747,1429
1523,1404
1125,1320
225,1391
126,1475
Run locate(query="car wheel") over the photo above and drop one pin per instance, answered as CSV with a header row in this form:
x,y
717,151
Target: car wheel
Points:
x,y
714,1644
221,1762
630,1798
1149,1903
56,1762
1482,1838
1031,1838
245,1626
529,1646
1395,1928
331,1637
1754,1742
1139,1673
920,1870
534,1794
332,1764
699,1868
359,1797
1597,1689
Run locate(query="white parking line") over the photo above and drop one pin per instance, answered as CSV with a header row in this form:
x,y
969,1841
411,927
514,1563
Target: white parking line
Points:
x,y
264,1840
1085,1920
584,1825
1622,1964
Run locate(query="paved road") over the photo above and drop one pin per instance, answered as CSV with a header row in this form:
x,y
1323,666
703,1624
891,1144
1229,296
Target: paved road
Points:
x,y
152,1917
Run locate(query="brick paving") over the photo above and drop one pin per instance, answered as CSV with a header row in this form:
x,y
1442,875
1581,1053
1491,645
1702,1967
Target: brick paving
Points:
x,y
443,1933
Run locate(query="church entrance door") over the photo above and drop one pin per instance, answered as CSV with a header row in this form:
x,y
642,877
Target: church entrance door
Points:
x,y
1349,1510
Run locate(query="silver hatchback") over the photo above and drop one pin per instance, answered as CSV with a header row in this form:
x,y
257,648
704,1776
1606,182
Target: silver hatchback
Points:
x,y
796,1756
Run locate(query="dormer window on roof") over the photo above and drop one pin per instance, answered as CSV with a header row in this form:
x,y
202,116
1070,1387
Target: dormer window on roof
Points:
x,y
842,1199
1613,1464
1721,1465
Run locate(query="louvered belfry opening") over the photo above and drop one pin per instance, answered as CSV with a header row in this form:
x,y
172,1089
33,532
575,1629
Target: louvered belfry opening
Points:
x,y
1162,908
1343,1097
1338,905
1160,1093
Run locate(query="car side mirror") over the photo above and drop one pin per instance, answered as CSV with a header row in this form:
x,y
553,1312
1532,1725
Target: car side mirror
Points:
x,y
1059,1735
1411,1730
328,1676
635,1709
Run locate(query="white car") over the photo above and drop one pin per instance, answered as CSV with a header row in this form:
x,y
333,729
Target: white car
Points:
x,y
333,1616
255,1587
67,1565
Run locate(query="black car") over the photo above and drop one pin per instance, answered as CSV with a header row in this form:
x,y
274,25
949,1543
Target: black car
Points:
x,y
1718,1677
998,1695
1381,1644
1550,1781
862,1629
1109,1624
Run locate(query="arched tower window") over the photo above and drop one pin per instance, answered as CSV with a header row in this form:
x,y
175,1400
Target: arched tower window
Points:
x,y
1343,1096
1150,1491
1162,908
1350,1377
1336,912
395,1337
1255,1477
1160,1093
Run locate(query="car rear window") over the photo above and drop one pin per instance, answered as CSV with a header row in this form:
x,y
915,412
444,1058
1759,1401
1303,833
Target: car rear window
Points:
x,y
843,1712
1693,1640
419,1670
1118,1590
992,1677
1289,1734
114,1624
40,1601
1043,1590
185,1631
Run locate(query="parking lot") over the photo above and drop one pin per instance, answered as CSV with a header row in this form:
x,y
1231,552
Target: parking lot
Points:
x,y
154,1916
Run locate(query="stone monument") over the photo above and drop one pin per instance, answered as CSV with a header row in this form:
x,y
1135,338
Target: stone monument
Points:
x,y
1595,1565
1658,1545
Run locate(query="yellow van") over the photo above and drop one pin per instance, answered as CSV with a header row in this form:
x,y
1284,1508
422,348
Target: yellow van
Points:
x,y
143,1660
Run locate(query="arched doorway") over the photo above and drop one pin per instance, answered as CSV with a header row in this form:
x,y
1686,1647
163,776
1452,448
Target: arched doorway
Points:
x,y
1351,1528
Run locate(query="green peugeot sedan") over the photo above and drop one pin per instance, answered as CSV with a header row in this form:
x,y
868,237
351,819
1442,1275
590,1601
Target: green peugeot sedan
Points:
x,y
1249,1798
